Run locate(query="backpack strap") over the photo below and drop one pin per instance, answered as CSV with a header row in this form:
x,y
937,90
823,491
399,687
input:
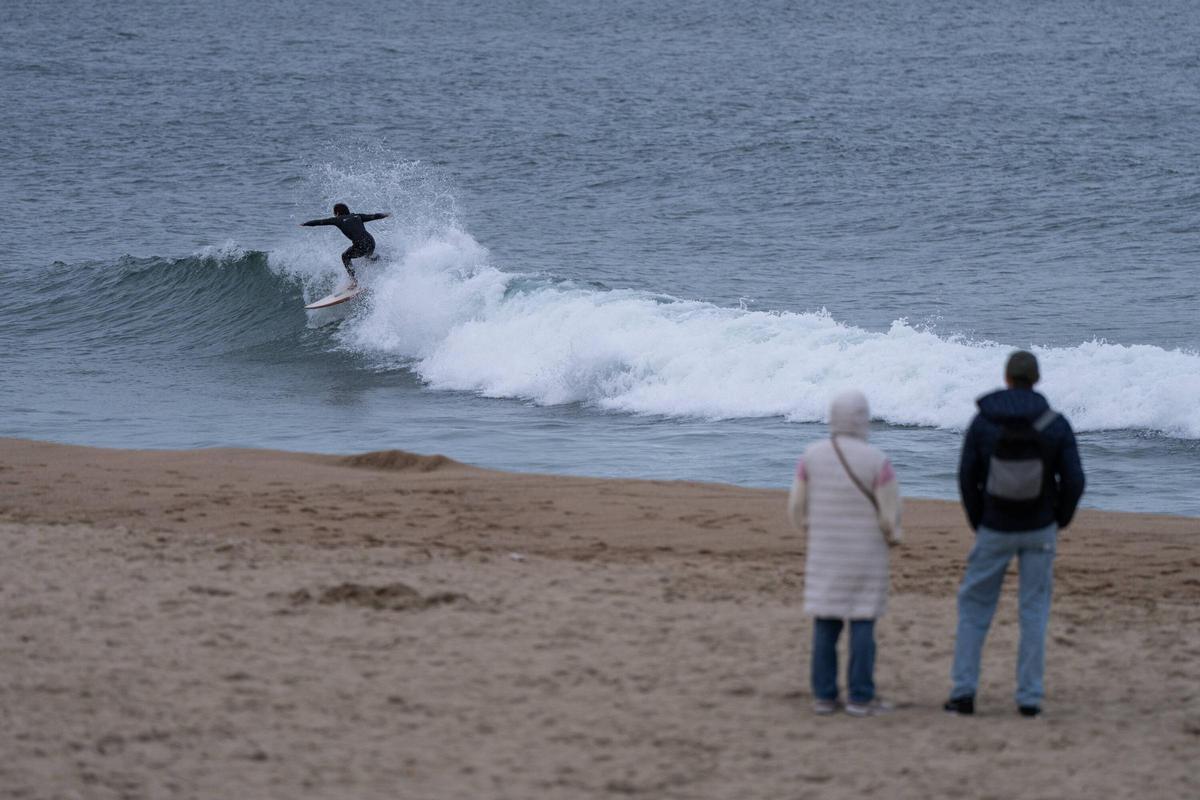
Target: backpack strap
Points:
x,y
1048,416
1039,425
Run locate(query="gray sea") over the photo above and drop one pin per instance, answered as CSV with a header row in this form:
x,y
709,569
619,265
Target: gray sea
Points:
x,y
642,239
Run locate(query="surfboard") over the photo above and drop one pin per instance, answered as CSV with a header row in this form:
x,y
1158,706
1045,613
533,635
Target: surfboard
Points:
x,y
340,296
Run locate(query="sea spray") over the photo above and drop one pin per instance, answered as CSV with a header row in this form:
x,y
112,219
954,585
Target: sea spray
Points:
x,y
418,199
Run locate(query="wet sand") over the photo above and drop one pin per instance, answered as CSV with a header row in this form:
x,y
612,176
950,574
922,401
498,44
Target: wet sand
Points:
x,y
262,624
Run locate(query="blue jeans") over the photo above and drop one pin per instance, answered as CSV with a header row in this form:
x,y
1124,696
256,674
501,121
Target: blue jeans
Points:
x,y
862,659
979,593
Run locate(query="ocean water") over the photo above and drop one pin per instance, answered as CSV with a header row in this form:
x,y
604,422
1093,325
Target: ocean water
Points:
x,y
636,239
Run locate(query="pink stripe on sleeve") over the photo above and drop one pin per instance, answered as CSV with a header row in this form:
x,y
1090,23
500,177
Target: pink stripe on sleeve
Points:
x,y
801,470
886,474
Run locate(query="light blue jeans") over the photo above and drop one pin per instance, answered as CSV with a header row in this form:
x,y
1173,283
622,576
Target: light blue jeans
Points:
x,y
979,593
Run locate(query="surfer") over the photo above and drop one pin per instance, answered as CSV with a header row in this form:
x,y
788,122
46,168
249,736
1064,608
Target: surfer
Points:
x,y
362,244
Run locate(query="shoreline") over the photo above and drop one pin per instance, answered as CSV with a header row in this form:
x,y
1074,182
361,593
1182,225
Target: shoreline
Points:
x,y
267,623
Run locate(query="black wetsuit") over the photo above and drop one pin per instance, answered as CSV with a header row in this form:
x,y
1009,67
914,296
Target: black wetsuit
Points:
x,y
351,225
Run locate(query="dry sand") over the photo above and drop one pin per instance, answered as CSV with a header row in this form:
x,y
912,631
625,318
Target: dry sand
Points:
x,y
253,624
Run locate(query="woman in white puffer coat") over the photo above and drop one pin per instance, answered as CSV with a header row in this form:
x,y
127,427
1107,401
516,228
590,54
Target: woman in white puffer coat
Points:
x,y
846,499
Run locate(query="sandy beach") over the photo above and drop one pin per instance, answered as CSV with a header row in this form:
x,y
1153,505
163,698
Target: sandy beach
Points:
x,y
258,624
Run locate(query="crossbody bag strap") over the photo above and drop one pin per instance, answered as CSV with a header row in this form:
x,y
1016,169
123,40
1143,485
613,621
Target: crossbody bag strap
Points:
x,y
861,486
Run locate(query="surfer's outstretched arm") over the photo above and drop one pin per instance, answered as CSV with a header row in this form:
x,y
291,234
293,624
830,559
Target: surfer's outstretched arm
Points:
x,y
371,217
313,222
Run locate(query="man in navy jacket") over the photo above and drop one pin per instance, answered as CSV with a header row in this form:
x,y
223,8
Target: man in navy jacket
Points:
x,y
1027,529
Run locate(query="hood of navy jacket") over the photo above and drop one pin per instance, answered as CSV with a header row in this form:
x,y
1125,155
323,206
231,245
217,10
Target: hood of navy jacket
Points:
x,y
1009,405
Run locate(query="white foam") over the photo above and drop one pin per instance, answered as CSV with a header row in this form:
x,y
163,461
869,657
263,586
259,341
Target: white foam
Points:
x,y
462,325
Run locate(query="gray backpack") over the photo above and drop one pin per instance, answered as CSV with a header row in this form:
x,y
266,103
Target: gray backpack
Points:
x,y
1018,474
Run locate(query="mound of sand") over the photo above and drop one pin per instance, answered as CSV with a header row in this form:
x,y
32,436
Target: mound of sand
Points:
x,y
383,597
401,461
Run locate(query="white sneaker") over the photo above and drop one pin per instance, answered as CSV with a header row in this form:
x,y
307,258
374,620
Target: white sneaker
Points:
x,y
869,709
823,708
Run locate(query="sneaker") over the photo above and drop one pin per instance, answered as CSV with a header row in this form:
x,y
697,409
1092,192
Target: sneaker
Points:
x,y
824,708
1029,711
870,708
963,706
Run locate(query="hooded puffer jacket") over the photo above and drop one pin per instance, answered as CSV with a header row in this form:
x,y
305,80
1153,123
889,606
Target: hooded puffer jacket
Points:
x,y
846,567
